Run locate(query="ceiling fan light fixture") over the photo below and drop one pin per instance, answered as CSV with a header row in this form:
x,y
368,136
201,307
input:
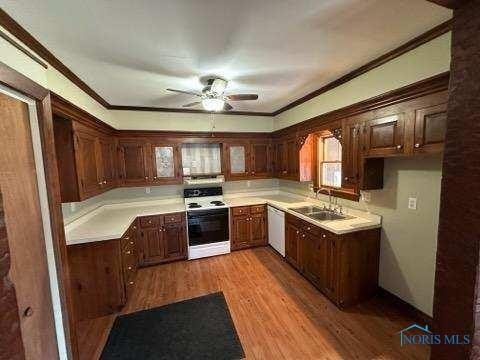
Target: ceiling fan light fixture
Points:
x,y
213,104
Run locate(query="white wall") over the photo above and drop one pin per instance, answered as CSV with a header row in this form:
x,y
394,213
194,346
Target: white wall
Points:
x,y
423,62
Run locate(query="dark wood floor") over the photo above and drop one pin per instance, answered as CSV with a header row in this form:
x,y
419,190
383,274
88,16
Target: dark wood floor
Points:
x,y
277,313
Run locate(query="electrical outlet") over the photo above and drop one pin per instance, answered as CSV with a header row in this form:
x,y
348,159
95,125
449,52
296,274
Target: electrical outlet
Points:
x,y
147,190
412,203
366,196
73,207
249,183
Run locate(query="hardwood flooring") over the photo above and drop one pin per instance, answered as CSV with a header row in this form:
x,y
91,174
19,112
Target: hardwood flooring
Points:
x,y
277,313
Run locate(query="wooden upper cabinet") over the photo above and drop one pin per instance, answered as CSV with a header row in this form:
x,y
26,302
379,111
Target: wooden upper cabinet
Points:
x,y
351,132
295,158
166,163
88,164
384,136
237,160
280,159
292,158
133,162
430,129
108,154
261,161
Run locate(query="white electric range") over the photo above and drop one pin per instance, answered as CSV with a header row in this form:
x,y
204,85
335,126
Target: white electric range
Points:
x,y
208,226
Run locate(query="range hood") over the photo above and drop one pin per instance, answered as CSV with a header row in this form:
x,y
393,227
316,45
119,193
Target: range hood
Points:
x,y
203,179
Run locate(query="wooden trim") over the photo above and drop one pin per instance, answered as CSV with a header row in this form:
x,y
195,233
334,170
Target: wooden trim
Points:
x,y
13,79
405,307
26,38
402,49
16,81
67,109
451,4
428,86
191,135
194,111
16,45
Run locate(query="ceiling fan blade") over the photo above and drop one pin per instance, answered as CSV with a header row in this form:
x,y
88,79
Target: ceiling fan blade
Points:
x,y
185,92
239,97
227,107
192,104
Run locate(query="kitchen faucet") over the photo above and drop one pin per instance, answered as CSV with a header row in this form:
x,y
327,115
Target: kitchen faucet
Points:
x,y
330,195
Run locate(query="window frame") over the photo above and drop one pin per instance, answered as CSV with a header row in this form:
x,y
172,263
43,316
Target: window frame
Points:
x,y
320,182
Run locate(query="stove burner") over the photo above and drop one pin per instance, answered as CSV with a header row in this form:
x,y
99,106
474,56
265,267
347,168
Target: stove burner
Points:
x,y
217,203
194,205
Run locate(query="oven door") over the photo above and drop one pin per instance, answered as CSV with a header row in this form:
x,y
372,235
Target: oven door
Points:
x,y
207,226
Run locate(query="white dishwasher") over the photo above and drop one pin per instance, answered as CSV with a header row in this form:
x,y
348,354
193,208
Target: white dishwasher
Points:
x,y
276,229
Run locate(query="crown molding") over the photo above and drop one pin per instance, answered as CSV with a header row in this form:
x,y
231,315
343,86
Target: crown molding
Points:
x,y
451,4
14,28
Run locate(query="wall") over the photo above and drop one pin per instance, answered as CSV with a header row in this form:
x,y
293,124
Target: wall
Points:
x,y
72,211
409,237
423,62
152,120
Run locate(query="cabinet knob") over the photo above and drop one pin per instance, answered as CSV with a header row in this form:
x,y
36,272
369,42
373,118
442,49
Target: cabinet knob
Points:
x,y
129,268
100,183
131,283
134,227
146,177
417,145
399,147
303,235
346,178
128,252
154,178
324,236
28,312
104,181
131,242
127,237
309,228
298,231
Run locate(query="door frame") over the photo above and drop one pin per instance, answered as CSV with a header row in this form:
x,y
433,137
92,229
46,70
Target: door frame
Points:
x,y
13,80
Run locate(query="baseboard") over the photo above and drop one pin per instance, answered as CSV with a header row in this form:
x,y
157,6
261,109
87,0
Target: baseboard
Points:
x,y
418,315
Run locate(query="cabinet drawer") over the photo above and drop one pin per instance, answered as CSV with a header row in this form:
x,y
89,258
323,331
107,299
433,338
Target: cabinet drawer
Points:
x,y
149,221
312,229
173,218
257,209
240,210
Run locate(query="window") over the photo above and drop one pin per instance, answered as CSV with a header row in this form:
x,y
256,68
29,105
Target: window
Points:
x,y
331,162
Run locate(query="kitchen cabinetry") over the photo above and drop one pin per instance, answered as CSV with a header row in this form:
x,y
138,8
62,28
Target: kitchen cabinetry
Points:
x,y
163,238
248,226
85,158
248,160
166,162
295,157
133,162
384,136
343,267
430,129
102,274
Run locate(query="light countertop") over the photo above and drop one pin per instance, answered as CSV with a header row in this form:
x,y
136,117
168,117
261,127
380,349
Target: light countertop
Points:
x,y
111,221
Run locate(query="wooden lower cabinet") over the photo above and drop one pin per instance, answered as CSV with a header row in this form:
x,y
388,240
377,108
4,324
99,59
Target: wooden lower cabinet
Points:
x,y
248,226
344,267
163,238
103,274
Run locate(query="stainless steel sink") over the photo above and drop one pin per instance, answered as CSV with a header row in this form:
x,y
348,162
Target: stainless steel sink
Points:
x,y
320,214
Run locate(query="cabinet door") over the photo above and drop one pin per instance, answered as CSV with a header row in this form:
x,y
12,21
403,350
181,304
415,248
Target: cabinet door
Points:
x,y
280,160
260,159
327,258
241,231
292,159
166,164
153,251
87,158
312,258
350,154
384,136
238,161
258,227
292,249
108,152
174,241
133,163
430,128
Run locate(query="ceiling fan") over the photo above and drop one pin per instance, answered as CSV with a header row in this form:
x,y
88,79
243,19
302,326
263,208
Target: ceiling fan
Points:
x,y
212,97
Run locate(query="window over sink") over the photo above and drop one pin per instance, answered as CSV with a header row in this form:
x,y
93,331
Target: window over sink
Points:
x,y
330,161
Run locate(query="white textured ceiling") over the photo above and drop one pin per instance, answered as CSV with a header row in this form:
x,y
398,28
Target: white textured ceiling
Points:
x,y
131,51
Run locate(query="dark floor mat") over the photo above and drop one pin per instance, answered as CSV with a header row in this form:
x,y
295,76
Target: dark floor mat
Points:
x,y
199,328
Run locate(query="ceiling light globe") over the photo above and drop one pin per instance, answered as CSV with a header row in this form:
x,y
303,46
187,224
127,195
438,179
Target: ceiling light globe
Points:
x,y
213,104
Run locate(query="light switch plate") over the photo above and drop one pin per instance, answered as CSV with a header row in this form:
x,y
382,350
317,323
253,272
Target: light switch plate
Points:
x,y
412,203
147,190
